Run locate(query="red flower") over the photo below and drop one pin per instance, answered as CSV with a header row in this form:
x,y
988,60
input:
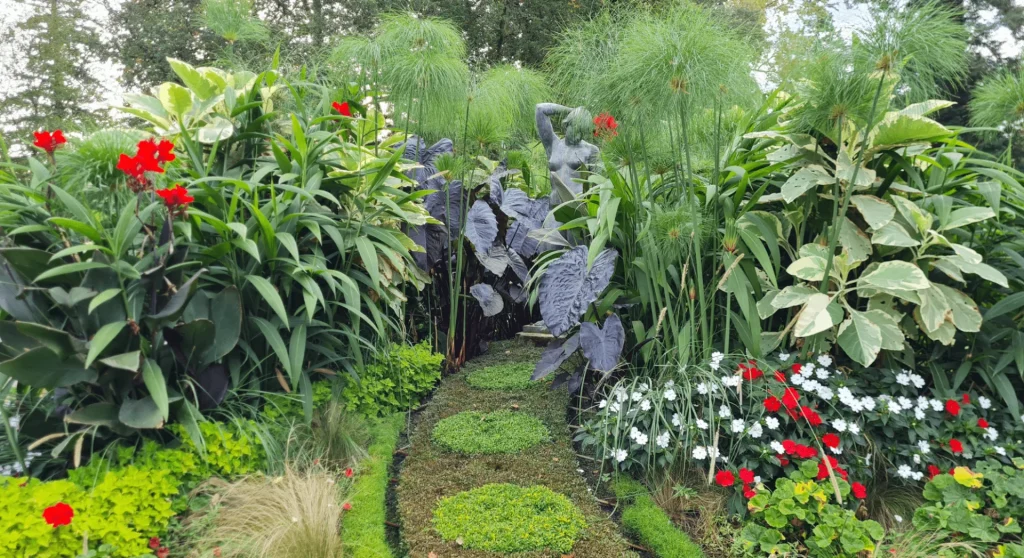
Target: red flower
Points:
x,y
982,423
348,473
163,552
805,452
783,460
831,440
605,125
154,543
725,478
772,404
748,493
859,490
966,399
956,446
780,376
790,398
952,407
165,151
933,472
342,108
751,374
796,368
746,475
823,469
58,514
48,141
812,417
176,197
790,446
347,506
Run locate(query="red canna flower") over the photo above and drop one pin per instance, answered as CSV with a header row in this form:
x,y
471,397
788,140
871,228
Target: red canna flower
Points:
x,y
725,478
933,472
349,473
347,506
165,151
772,404
831,440
154,543
859,490
58,514
982,423
176,198
342,108
746,475
956,446
952,407
605,125
49,141
790,397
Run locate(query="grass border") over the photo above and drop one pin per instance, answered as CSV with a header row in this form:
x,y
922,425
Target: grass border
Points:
x,y
363,529
651,525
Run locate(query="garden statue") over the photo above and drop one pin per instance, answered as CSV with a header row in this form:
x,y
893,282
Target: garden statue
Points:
x,y
565,156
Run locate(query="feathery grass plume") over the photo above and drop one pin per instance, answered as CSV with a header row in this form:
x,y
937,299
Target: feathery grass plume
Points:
x,y
683,53
335,438
829,90
924,44
356,58
423,66
233,20
582,54
510,94
672,231
999,101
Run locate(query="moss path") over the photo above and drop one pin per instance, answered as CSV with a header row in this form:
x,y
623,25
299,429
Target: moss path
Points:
x,y
431,473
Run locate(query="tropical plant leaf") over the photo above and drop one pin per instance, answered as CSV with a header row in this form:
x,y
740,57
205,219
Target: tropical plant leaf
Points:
x,y
489,299
568,287
481,226
860,338
156,385
814,317
41,368
876,211
554,355
897,276
141,413
603,346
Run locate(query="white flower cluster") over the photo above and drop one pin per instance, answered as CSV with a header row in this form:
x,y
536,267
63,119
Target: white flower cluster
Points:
x,y
905,472
662,440
906,378
716,360
703,452
15,469
638,436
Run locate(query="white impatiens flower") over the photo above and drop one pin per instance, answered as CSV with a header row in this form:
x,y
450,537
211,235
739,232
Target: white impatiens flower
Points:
x,y
662,440
702,388
645,405
991,433
807,369
922,403
737,426
756,431
796,379
731,381
702,424
615,407
724,412
620,395
1000,450
903,378
904,472
811,385
602,404
641,439
905,402
854,428
670,394
917,380
917,459
633,433
898,518
700,453
771,422
924,446
670,383
985,402
716,360
867,403
675,420
937,405
783,356
825,360
777,447
822,373
919,413
637,396
839,425
620,455
825,393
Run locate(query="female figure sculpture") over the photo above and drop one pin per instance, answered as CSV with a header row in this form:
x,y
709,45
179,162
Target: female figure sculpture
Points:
x,y
565,156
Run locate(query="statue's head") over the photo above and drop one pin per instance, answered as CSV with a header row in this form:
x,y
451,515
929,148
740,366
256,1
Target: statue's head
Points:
x,y
578,125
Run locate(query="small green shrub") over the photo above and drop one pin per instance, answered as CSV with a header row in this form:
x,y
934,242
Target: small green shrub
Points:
x,y
363,527
123,510
395,383
642,517
231,450
512,376
510,518
289,405
799,516
471,432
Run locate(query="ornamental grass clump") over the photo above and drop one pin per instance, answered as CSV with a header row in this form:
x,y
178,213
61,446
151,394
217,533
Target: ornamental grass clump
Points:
x,y
471,432
510,518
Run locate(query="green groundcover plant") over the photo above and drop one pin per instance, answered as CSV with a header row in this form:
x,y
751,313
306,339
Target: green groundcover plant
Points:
x,y
472,432
502,376
510,518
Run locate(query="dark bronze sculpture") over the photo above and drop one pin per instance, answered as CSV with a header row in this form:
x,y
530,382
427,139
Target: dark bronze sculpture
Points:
x,y
566,156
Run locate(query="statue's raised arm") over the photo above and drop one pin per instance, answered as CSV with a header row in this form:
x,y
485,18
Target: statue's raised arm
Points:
x,y
544,128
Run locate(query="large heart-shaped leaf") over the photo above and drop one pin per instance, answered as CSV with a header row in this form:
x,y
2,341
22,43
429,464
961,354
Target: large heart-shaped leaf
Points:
x,y
603,346
481,225
568,287
554,355
496,259
489,299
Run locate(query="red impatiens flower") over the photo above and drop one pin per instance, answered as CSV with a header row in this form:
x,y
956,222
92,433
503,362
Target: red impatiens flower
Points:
x,y
349,473
805,452
49,141
789,446
831,440
772,404
342,108
966,398
154,543
956,446
58,514
796,368
780,376
952,407
933,472
347,506
812,417
746,475
750,373
605,125
859,490
163,552
783,460
748,493
790,398
982,423
823,469
176,198
725,478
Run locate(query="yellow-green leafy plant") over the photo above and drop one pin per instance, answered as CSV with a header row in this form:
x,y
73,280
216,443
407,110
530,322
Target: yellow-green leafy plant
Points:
x,y
396,382
230,450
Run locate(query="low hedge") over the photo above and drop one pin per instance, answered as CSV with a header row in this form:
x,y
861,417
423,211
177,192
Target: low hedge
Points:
x,y
651,525
473,433
363,529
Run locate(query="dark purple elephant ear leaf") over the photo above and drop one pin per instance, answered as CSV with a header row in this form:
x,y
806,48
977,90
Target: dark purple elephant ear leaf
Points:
x,y
518,266
603,347
517,204
568,287
495,259
555,354
489,299
481,225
